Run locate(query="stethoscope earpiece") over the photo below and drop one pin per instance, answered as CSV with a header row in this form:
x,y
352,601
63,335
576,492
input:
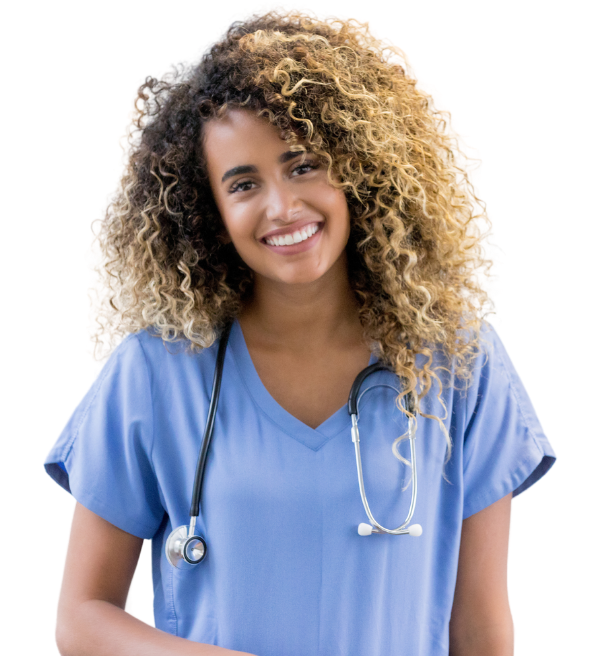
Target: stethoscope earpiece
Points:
x,y
365,529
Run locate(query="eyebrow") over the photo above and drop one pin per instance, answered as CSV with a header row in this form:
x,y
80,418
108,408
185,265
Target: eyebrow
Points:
x,y
249,168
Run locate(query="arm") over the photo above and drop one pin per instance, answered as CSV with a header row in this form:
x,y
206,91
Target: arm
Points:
x,y
91,619
481,621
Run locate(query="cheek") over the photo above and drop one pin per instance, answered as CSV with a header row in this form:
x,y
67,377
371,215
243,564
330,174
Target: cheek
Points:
x,y
325,198
339,210
237,223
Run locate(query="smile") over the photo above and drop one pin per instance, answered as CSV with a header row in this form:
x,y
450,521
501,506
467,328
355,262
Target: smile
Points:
x,y
297,242
294,237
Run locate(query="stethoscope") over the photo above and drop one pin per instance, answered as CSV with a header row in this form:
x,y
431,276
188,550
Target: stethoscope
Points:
x,y
183,544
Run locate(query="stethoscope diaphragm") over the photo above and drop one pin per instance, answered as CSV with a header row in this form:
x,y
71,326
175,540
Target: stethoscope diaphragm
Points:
x,y
182,547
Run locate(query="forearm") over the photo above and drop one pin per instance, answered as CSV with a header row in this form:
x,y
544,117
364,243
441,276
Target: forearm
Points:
x,y
492,638
98,628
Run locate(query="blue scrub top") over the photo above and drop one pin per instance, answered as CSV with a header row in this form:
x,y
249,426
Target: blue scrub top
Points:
x,y
286,571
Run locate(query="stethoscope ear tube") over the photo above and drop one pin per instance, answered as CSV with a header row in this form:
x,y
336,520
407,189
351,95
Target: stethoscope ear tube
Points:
x,y
374,527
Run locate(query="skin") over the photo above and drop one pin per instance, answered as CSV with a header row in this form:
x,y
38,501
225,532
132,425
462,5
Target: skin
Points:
x,y
299,299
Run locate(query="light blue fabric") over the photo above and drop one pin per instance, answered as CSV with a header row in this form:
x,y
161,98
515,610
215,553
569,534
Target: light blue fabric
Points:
x,y
286,572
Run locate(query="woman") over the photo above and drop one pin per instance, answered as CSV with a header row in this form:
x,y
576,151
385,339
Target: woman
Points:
x,y
297,191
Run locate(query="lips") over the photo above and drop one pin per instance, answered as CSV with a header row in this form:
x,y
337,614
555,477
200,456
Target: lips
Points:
x,y
282,246
291,229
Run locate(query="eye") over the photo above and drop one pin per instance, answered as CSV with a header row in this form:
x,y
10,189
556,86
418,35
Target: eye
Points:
x,y
302,167
307,165
245,185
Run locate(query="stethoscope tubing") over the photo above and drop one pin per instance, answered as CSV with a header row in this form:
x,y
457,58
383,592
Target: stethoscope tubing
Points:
x,y
197,488
362,490
354,398
177,543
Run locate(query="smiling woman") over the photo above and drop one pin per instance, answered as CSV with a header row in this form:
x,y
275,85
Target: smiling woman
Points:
x,y
296,193
276,204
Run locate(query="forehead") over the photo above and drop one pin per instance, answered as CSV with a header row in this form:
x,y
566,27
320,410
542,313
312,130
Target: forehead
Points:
x,y
240,135
241,138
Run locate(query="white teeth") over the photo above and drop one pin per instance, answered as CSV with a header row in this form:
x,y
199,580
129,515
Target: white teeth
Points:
x,y
295,237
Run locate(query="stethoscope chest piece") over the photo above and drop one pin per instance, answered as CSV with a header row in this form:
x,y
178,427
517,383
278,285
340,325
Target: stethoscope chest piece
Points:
x,y
180,548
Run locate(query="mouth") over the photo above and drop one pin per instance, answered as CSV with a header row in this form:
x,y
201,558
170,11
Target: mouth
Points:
x,y
299,247
316,225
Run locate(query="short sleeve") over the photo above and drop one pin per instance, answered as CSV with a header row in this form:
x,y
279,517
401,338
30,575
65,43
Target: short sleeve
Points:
x,y
505,449
103,455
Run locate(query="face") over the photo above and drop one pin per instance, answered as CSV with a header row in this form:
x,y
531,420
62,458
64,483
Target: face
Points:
x,y
285,220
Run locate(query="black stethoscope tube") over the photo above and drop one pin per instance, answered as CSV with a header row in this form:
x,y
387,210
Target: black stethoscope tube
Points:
x,y
357,383
197,489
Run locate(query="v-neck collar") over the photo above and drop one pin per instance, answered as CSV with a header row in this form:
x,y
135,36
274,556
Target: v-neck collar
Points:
x,y
313,438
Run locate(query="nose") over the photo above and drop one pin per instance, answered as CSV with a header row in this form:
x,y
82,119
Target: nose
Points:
x,y
282,204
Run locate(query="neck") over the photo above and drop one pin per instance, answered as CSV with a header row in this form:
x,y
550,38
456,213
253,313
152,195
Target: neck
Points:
x,y
296,316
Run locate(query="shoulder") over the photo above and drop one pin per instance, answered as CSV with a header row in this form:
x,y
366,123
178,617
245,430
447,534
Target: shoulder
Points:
x,y
146,347
144,362
465,373
492,374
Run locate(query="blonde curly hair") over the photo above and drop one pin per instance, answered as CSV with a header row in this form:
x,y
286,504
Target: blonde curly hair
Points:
x,y
414,250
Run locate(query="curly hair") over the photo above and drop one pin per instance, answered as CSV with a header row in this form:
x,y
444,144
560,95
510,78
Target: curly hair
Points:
x,y
414,250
